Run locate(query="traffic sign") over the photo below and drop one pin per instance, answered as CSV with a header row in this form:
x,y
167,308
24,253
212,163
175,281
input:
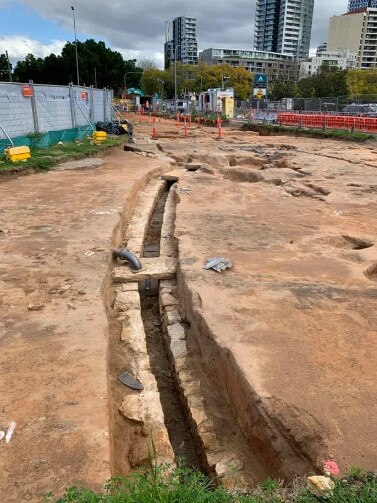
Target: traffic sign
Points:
x,y
260,80
259,94
260,85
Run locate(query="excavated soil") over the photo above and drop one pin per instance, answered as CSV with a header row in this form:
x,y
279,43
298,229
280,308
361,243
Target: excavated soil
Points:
x,y
288,333
56,233
283,343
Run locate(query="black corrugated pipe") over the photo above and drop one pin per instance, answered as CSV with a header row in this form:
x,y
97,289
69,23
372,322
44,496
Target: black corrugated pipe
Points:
x,y
124,254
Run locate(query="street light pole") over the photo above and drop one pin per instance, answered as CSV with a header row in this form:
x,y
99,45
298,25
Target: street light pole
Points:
x,y
175,76
77,58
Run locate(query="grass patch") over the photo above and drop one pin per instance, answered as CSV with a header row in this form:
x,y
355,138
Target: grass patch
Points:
x,y
335,134
43,159
182,485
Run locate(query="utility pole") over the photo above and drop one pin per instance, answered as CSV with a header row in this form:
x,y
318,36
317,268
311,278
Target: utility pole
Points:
x,y
95,77
77,58
9,67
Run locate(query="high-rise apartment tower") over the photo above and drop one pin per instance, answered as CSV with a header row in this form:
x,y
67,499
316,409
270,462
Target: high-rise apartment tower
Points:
x,y
354,5
180,37
284,26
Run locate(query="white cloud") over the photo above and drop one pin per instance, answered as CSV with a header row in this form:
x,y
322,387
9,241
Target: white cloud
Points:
x,y
137,30
156,56
18,47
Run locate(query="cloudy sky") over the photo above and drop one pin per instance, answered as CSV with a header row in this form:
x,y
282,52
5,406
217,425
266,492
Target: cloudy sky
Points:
x,y
135,28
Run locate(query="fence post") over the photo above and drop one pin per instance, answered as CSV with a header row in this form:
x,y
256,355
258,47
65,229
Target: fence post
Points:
x,y
104,104
34,107
91,115
112,115
72,104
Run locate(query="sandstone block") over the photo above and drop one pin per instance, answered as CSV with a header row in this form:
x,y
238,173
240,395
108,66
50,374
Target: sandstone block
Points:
x,y
198,415
178,349
172,317
133,331
210,441
168,300
193,166
153,268
130,287
176,332
125,301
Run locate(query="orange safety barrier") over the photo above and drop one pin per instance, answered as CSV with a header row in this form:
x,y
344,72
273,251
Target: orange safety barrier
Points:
x,y
328,121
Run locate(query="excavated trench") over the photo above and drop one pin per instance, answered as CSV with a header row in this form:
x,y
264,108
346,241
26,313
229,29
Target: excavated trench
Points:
x,y
180,435
196,406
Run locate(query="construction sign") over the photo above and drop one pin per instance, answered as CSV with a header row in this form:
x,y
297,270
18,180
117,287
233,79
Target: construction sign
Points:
x,y
260,86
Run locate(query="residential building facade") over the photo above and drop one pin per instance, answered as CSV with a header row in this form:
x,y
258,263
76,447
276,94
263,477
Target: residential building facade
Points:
x,y
321,48
180,37
275,65
338,59
354,5
356,32
284,26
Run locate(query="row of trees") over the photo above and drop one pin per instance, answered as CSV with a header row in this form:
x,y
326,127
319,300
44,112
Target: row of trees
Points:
x,y
196,78
107,68
329,81
97,63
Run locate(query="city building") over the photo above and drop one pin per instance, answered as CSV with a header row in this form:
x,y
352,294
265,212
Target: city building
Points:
x,y
357,33
338,59
275,65
180,36
284,26
321,48
360,4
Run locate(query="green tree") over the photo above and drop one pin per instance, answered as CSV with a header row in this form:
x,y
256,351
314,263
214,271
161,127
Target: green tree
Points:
x,y
279,89
328,81
305,88
156,81
197,78
362,82
96,61
4,70
29,69
147,64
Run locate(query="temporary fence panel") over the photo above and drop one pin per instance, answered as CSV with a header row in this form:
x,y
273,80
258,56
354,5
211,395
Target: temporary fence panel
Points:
x,y
53,108
26,109
82,106
16,114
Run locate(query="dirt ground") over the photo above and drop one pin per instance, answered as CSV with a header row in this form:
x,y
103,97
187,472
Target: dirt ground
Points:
x,y
55,240
297,312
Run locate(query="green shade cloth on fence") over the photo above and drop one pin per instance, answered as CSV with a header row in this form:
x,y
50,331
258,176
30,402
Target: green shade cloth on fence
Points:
x,y
45,140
